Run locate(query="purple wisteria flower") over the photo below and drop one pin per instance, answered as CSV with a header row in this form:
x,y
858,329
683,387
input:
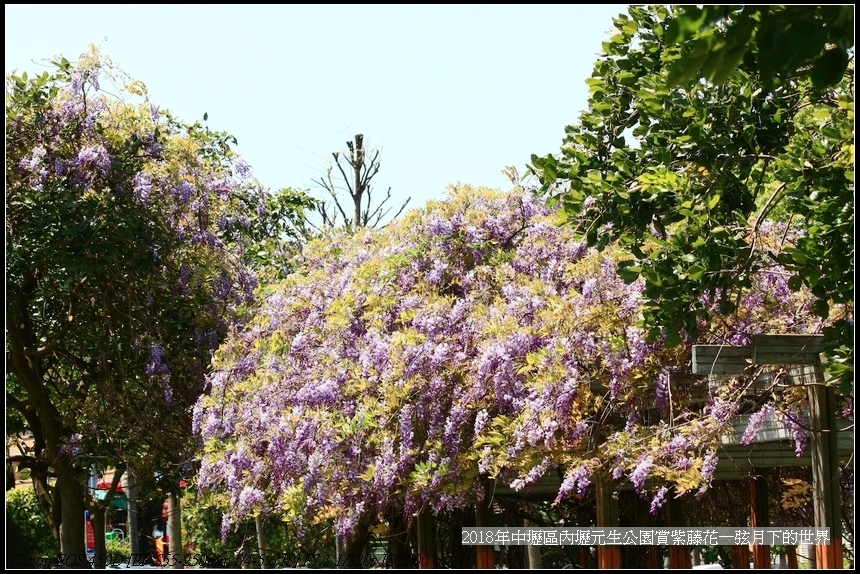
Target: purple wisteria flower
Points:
x,y
142,187
662,392
641,472
579,480
94,157
588,203
795,423
481,420
721,410
243,169
756,423
394,361
183,192
226,526
156,365
709,465
72,447
659,499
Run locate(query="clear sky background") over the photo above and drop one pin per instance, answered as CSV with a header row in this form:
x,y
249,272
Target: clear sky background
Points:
x,y
447,93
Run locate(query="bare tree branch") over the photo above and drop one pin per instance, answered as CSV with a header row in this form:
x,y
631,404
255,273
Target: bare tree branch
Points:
x,y
357,168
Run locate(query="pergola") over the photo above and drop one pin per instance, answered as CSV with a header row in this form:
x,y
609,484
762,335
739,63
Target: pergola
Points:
x,y
801,355
831,441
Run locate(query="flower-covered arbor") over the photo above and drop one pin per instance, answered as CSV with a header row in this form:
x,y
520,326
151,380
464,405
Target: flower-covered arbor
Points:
x,y
473,339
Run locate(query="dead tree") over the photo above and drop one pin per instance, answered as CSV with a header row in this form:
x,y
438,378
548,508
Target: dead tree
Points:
x,y
357,168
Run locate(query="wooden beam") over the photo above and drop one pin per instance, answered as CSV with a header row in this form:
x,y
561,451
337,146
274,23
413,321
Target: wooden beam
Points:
x,y
721,359
787,349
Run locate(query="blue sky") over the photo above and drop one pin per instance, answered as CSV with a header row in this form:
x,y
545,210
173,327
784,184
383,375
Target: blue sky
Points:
x,y
447,93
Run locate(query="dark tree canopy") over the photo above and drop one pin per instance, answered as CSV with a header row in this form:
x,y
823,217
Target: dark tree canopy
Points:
x,y
781,43
688,173
126,237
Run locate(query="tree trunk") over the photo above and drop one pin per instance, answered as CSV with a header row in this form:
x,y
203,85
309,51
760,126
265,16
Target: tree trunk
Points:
x,y
132,526
47,501
261,540
398,538
98,512
358,188
174,529
71,499
46,424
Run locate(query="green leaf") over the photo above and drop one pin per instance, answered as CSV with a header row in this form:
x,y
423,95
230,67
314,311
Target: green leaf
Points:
x,y
795,283
797,256
653,276
686,68
720,232
629,271
821,308
673,338
829,68
696,272
685,25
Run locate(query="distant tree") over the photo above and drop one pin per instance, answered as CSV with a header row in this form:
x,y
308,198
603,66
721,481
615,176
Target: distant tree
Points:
x,y
125,266
275,234
687,174
356,168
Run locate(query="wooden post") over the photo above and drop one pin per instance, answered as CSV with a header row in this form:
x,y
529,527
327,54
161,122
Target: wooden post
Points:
x,y
483,519
426,540
759,518
740,557
261,540
679,556
585,557
652,558
132,527
791,554
607,516
533,551
825,468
